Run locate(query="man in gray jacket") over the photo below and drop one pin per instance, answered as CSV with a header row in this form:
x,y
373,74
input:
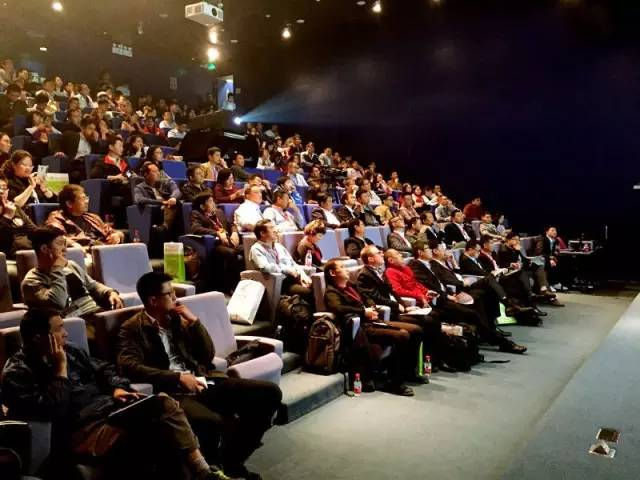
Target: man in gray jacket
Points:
x,y
62,285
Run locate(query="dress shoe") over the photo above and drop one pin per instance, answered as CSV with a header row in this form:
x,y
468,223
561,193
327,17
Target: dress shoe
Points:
x,y
540,313
554,302
511,347
401,390
514,309
503,332
446,368
418,380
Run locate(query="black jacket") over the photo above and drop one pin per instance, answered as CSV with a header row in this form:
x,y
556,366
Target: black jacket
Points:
x,y
203,225
14,233
345,306
395,241
376,290
190,191
427,278
353,246
469,267
453,234
30,390
486,263
345,215
8,111
446,275
506,256
71,140
431,235
318,214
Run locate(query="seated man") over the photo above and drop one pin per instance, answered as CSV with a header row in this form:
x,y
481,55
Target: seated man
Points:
x,y
270,256
207,219
488,228
364,184
248,214
214,164
325,213
407,209
380,288
263,184
415,231
432,229
343,299
62,285
167,345
350,208
473,210
50,379
510,256
10,106
444,209
356,241
556,273
455,232
369,218
450,307
293,174
385,212
79,226
237,167
155,191
286,185
396,239
278,214
195,184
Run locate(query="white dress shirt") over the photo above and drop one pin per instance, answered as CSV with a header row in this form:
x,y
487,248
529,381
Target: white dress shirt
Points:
x,y
283,220
247,215
274,259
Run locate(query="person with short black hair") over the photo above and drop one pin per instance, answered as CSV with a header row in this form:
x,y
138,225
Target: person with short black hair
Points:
x,y
368,216
76,145
296,177
225,190
237,167
10,106
62,285
396,239
79,225
194,185
214,164
415,231
157,191
473,210
168,346
278,212
407,209
54,380
488,228
207,219
325,213
15,224
432,229
386,211
455,232
357,240
554,267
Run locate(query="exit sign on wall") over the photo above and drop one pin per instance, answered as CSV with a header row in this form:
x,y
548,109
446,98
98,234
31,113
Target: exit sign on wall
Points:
x,y
120,49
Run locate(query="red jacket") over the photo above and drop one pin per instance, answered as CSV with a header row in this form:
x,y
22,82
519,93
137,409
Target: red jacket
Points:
x,y
404,283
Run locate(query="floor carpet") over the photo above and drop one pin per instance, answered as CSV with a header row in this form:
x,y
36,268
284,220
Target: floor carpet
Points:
x,y
461,426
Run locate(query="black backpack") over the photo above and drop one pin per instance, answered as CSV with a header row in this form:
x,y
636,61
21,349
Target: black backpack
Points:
x,y
295,317
462,352
323,347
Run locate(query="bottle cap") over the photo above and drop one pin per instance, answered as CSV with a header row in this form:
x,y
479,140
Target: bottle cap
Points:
x,y
357,376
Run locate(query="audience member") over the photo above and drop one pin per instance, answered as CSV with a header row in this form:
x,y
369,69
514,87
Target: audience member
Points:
x,y
407,210
396,240
292,172
214,164
473,210
455,232
225,190
157,191
394,183
26,186
554,267
313,233
368,216
487,228
432,229
248,214
415,231
444,209
278,214
326,158
419,200
81,227
325,213
167,345
364,185
385,212
76,145
195,184
10,106
237,168
270,256
5,148
264,161
15,225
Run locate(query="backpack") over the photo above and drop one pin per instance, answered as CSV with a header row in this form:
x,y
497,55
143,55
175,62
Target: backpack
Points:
x,y
461,352
295,317
323,347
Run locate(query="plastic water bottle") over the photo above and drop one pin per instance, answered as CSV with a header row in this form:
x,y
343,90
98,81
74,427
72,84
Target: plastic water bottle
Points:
x,y
427,366
357,385
136,236
308,259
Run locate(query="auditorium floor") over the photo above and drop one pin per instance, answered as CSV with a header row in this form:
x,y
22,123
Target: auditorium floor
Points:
x,y
461,426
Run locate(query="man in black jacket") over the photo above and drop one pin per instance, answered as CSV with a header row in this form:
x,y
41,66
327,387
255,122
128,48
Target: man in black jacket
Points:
x,y
356,241
50,379
10,106
556,272
510,256
167,345
455,232
343,299
350,209
162,192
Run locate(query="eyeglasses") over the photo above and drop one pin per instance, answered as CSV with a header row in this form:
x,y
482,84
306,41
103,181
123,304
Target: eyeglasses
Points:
x,y
170,293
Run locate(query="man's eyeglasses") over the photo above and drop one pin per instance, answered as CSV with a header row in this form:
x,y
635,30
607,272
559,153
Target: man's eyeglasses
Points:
x,y
170,293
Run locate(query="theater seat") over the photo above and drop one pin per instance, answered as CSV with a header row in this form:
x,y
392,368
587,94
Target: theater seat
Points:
x,y
212,311
375,235
6,297
120,267
328,244
40,211
273,287
174,169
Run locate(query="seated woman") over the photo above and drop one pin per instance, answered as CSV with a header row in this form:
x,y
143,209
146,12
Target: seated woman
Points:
x,y
15,225
207,219
134,147
225,190
5,148
80,227
313,233
419,200
195,184
264,161
24,185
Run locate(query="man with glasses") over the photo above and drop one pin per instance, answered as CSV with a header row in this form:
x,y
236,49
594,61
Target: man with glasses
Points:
x,y
167,345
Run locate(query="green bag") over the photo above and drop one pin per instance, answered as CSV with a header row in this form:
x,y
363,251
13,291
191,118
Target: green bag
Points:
x,y
174,261
420,367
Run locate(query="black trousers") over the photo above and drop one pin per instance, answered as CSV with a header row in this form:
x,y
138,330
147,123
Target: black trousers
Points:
x,y
291,286
404,339
230,418
229,262
518,286
432,336
451,312
539,276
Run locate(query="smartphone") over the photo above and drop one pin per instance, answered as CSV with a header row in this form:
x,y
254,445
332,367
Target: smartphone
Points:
x,y
42,171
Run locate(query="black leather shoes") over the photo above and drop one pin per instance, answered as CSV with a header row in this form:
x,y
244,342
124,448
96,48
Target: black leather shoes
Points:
x,y
503,332
401,390
511,347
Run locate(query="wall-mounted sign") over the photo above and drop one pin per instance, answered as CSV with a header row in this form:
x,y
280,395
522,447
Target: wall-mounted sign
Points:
x,y
120,49
173,83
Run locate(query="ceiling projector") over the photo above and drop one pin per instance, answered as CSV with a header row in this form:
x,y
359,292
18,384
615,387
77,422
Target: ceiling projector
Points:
x,y
204,13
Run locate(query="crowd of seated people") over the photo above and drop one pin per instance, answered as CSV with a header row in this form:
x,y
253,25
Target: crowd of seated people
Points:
x,y
419,227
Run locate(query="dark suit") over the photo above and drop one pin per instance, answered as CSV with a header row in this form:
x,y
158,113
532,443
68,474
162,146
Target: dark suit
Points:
x,y
396,242
453,234
506,256
551,251
353,246
402,359
374,288
345,215
432,235
515,285
9,110
319,214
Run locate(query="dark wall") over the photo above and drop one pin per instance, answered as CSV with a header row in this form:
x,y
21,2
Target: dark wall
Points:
x,y
534,107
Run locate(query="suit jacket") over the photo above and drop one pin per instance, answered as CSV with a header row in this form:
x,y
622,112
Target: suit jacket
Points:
x,y
469,267
71,140
548,251
427,278
485,261
446,275
8,111
319,214
395,241
506,256
190,191
369,217
375,289
345,215
353,246
404,283
343,305
453,234
204,225
142,357
431,235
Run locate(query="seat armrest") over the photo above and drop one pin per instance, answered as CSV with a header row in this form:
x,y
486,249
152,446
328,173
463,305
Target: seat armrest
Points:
x,y
184,289
220,364
386,312
309,270
145,388
408,302
272,344
267,367
202,244
40,445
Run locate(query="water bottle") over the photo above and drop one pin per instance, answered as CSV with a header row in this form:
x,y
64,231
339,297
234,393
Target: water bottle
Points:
x,y
308,259
136,236
357,385
427,366
279,332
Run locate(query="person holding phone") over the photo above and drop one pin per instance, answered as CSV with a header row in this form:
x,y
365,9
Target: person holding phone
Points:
x,y
15,224
51,379
25,186
167,345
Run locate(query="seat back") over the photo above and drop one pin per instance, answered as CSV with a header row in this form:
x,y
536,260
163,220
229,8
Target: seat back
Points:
x,y
134,162
248,239
457,253
328,244
528,245
341,235
186,217
229,209
354,272
375,235
211,309
384,233
40,211
6,300
307,209
290,241
89,160
272,175
174,169
120,266
319,286
26,260
107,326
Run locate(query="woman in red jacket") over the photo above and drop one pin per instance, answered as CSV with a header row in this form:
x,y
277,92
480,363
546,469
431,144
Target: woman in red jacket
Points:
x,y
402,280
